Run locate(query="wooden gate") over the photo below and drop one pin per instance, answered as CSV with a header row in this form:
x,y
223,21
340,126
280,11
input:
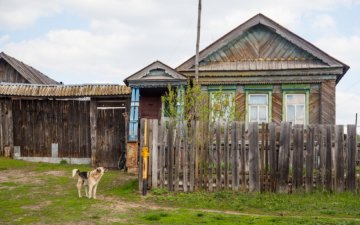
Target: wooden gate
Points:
x,y
110,136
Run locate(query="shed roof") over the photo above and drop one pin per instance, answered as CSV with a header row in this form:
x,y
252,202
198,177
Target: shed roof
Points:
x,y
29,73
155,74
261,44
83,90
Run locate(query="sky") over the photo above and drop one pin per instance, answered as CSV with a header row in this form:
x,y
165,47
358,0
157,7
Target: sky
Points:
x,y
105,41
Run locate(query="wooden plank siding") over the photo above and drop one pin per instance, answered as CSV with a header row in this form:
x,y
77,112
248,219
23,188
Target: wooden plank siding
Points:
x,y
277,108
81,128
327,102
6,126
9,74
240,105
41,123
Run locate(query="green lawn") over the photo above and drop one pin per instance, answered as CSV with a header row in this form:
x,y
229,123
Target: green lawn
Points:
x,y
41,193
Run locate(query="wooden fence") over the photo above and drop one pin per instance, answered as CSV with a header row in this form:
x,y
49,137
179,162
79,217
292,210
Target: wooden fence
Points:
x,y
266,157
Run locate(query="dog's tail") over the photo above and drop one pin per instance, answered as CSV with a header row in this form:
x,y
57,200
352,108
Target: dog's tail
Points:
x,y
75,172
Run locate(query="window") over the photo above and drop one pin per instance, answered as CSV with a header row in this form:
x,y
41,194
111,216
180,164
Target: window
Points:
x,y
222,104
295,108
258,108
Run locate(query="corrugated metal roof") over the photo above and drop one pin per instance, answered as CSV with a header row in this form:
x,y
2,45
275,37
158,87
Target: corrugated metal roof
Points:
x,y
33,90
29,73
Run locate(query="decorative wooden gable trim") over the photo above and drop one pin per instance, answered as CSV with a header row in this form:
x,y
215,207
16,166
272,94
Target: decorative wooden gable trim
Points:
x,y
157,74
261,44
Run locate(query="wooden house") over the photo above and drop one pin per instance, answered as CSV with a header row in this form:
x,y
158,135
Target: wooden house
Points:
x,y
270,73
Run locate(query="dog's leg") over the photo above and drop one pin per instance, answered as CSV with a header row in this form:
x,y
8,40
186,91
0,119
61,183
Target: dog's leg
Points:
x,y
78,185
95,188
86,191
91,186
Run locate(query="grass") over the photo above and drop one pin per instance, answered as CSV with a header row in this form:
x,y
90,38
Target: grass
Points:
x,y
42,193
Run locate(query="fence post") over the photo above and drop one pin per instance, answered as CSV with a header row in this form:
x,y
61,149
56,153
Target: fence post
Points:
x,y
254,176
155,154
284,154
235,156
309,159
351,147
218,155
339,158
328,159
298,157
170,158
272,156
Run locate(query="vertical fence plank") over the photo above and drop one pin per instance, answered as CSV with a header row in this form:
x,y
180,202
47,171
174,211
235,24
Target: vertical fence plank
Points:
x,y
154,154
298,157
150,146
226,155
242,156
262,158
205,154
254,175
198,151
170,158
272,156
328,159
235,156
218,155
317,163
140,173
267,186
309,159
192,155
339,158
162,155
211,156
186,157
284,155
177,155
322,139
351,148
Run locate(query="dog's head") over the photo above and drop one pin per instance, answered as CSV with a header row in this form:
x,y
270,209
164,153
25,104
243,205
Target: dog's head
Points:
x,y
101,170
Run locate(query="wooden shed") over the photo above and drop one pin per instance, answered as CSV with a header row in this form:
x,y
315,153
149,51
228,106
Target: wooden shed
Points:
x,y
77,123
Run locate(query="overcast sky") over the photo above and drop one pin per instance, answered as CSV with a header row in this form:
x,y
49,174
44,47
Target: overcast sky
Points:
x,y
104,41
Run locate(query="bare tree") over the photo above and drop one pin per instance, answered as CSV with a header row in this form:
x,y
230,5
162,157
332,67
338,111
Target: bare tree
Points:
x,y
197,44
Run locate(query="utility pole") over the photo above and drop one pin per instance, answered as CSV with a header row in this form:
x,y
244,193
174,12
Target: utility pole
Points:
x,y
197,44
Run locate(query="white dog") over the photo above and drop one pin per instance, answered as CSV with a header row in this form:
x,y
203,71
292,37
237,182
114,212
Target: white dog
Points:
x,y
88,180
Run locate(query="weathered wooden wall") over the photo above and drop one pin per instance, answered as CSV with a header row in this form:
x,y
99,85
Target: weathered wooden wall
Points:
x,y
110,136
189,156
6,126
9,74
39,123
327,102
35,124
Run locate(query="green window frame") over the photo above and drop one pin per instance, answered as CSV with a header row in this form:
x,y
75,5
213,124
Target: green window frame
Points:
x,y
296,89
253,90
227,90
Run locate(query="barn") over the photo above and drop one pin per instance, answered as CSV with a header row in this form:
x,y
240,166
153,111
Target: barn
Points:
x,y
43,120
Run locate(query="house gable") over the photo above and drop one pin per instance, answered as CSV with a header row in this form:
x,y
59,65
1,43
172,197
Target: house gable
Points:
x,y
27,73
157,74
261,44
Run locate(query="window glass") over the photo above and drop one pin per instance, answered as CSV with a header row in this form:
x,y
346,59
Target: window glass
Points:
x,y
258,108
222,104
295,108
